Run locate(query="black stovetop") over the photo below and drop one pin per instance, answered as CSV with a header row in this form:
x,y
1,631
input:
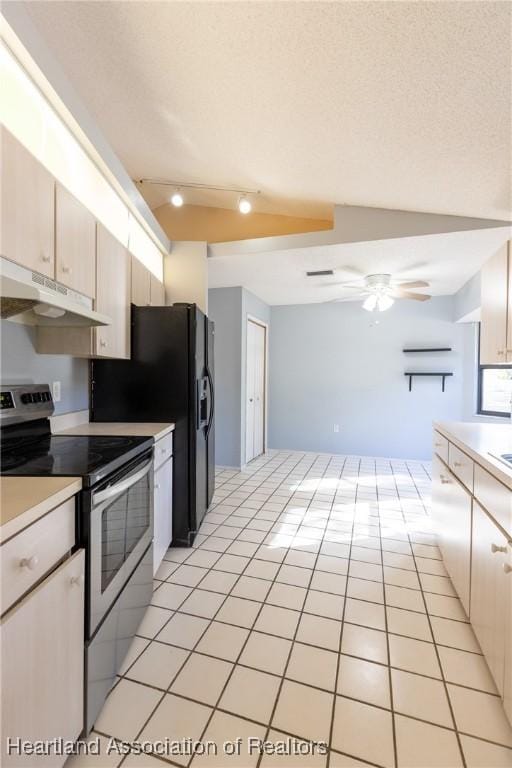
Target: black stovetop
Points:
x,y
33,451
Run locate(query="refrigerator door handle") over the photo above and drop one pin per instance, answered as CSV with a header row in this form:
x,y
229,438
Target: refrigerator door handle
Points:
x,y
202,419
212,401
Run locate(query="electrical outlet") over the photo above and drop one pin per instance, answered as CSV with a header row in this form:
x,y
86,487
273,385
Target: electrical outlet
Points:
x,y
336,427
56,391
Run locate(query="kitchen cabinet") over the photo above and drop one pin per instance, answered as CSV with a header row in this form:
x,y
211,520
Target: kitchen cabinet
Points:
x,y
28,208
156,292
42,647
113,268
162,499
491,592
75,244
496,311
452,511
147,290
162,512
113,286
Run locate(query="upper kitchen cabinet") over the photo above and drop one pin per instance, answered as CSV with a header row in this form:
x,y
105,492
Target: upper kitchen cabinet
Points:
x,y
141,284
156,292
147,290
75,244
113,286
496,315
28,207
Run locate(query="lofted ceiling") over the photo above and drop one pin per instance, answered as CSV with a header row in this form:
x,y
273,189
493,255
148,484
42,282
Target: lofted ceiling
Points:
x,y
396,105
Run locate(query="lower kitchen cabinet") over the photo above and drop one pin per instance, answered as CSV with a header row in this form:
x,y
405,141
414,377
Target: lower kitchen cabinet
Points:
x,y
451,509
491,594
42,651
162,512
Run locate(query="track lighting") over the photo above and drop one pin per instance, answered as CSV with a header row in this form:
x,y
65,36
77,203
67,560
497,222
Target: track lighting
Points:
x,y
244,205
177,199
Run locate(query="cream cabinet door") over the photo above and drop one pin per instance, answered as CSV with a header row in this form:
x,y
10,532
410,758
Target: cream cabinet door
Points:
x,y
75,244
509,304
489,592
113,287
507,685
141,284
42,652
157,292
493,327
162,512
28,205
451,511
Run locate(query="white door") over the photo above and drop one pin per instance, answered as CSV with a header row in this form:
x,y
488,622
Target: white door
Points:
x,y
255,389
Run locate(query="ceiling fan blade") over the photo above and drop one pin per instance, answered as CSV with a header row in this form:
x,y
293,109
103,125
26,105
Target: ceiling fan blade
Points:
x,y
399,294
346,298
413,284
351,286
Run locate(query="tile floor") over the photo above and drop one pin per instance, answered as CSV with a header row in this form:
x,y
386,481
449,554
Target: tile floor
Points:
x,y
314,606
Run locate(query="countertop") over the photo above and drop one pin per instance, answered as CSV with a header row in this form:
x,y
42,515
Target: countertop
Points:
x,y
131,429
25,499
479,441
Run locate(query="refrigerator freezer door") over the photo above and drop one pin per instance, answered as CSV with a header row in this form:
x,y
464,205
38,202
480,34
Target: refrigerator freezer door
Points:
x,y
210,331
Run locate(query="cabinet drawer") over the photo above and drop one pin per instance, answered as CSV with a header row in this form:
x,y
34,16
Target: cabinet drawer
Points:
x,y
461,466
441,446
28,556
494,497
163,450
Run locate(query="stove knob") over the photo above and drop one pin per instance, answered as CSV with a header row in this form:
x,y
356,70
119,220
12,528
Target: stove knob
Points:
x,y
26,398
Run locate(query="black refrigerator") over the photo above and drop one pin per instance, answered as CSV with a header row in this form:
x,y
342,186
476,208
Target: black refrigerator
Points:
x,y
170,377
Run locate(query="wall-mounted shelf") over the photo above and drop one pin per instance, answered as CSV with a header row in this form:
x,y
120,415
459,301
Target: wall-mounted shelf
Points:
x,y
442,374
431,349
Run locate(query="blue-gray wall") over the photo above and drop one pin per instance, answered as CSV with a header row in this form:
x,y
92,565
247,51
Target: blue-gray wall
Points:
x,y
337,364
229,309
20,364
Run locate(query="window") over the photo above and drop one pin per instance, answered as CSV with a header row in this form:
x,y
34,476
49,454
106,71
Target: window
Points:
x,y
495,390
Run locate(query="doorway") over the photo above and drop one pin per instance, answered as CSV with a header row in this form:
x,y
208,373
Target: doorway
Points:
x,y
256,389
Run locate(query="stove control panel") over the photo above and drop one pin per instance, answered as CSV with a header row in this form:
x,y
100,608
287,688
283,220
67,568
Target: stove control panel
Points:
x,y
25,402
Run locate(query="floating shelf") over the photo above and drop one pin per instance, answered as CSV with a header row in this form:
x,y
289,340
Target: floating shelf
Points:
x,y
442,374
432,349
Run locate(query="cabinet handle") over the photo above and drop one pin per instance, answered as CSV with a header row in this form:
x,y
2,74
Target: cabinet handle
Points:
x,y
157,485
507,568
458,464
45,257
77,580
29,562
495,548
66,269
445,480
500,352
103,343
438,445
163,450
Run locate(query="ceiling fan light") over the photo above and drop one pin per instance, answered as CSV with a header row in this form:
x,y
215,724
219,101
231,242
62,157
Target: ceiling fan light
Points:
x,y
384,302
370,304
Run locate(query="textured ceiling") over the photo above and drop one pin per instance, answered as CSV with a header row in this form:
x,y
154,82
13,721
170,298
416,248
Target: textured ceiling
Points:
x,y
392,104
447,261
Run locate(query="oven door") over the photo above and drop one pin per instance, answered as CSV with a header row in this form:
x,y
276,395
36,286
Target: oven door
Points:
x,y
121,529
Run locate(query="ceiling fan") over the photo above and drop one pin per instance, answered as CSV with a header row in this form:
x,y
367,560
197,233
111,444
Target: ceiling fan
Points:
x,y
381,291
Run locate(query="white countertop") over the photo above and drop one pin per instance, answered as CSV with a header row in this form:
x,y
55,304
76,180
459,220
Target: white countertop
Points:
x,y
23,500
130,429
480,440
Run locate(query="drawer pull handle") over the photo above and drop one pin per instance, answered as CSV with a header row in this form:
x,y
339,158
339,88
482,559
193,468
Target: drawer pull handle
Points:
x,y
77,580
501,352
495,548
438,445
458,464
445,480
507,568
103,343
29,562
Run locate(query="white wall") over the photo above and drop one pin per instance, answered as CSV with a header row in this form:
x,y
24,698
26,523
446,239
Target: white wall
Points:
x,y
337,364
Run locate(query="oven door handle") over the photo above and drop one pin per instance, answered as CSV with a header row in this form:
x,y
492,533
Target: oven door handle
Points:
x,y
115,490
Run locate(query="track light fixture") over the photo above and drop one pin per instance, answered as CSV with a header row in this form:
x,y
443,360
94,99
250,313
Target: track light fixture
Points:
x,y
177,199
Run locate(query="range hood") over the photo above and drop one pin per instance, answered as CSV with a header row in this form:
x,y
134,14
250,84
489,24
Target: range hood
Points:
x,y
34,299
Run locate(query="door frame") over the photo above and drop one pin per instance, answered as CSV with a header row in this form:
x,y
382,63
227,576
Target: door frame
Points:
x,y
256,320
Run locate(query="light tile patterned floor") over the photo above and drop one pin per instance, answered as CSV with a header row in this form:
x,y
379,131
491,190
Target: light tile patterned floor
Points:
x,y
314,605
